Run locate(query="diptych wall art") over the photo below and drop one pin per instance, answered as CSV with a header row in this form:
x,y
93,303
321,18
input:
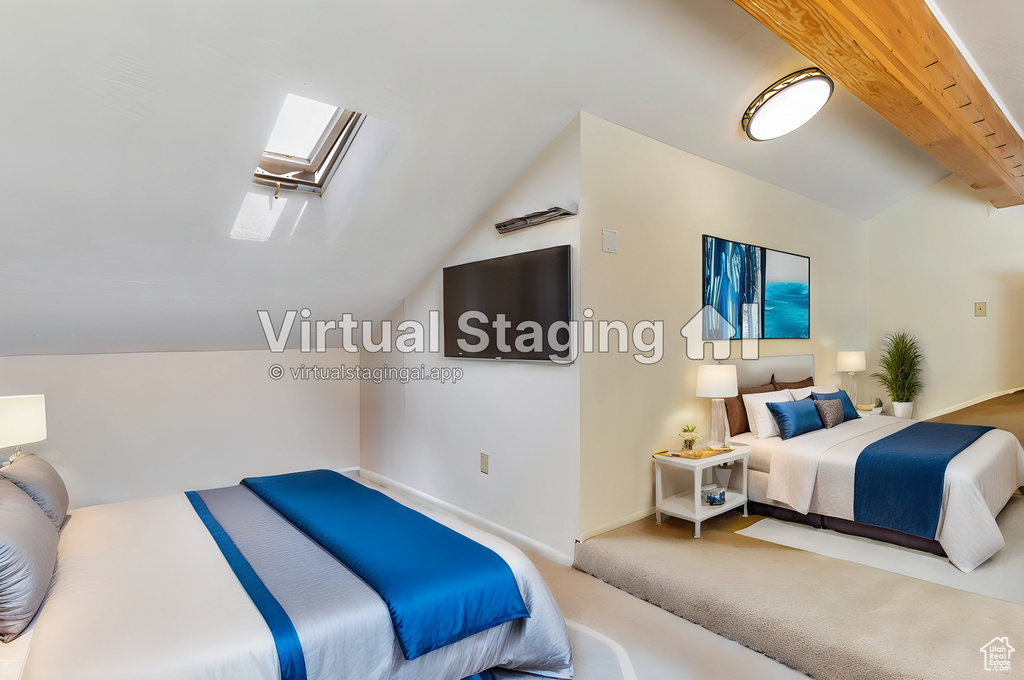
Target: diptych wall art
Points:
x,y
760,292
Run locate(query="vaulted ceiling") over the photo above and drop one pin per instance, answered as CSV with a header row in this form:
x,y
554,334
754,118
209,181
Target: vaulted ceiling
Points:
x,y
899,59
130,132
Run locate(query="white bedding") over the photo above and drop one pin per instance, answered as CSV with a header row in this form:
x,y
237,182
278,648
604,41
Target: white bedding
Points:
x,y
143,591
760,457
815,473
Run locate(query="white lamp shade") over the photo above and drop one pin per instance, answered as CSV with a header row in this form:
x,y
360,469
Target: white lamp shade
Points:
x,y
22,420
851,362
716,381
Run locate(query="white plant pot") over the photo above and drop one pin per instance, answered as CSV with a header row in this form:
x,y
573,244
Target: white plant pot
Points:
x,y
903,409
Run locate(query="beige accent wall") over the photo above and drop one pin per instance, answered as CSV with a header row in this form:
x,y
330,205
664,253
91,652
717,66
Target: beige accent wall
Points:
x,y
931,257
661,201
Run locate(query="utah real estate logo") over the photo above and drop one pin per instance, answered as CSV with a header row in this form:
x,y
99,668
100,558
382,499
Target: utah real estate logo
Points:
x,y
997,654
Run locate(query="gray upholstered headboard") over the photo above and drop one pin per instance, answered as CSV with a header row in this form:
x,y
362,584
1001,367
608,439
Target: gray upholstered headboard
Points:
x,y
790,368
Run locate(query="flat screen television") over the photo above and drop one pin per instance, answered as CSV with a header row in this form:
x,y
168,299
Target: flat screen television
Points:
x,y
514,307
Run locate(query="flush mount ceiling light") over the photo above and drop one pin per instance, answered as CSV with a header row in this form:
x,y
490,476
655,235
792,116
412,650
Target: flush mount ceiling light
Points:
x,y
787,104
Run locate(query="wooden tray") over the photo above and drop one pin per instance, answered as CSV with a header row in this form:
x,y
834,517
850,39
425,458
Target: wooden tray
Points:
x,y
699,453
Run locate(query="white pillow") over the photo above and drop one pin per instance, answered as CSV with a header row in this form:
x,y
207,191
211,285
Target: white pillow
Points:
x,y
804,392
761,420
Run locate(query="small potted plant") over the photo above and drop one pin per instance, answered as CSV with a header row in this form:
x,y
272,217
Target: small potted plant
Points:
x,y
690,437
900,372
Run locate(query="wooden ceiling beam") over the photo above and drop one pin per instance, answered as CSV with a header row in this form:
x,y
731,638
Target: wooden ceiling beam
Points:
x,y
896,57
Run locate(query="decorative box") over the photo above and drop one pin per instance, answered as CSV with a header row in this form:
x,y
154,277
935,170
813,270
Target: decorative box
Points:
x,y
712,494
715,498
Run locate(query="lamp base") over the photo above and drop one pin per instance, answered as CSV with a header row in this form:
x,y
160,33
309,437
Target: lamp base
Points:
x,y
16,456
719,422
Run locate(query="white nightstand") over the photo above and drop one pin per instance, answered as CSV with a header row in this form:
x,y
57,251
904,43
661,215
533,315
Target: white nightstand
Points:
x,y
686,502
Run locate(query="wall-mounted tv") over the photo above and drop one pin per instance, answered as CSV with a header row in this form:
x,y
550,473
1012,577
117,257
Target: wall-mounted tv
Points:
x,y
514,307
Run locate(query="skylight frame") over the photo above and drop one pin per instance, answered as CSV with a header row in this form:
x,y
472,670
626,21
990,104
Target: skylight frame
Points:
x,y
312,175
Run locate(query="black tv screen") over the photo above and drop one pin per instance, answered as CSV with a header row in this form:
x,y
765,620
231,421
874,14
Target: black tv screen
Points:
x,y
513,307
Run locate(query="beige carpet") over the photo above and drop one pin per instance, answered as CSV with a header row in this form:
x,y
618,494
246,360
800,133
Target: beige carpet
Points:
x,y
824,617
658,645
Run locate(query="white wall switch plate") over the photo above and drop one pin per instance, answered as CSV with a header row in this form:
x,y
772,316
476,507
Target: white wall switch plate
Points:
x,y
484,463
610,239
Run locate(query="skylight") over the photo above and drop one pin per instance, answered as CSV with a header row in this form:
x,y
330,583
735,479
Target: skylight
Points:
x,y
308,141
301,127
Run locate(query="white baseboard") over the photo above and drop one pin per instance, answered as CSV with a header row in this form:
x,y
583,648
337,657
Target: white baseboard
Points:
x,y
515,538
972,402
621,522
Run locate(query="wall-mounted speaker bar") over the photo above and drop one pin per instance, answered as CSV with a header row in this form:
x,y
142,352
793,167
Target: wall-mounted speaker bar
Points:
x,y
532,220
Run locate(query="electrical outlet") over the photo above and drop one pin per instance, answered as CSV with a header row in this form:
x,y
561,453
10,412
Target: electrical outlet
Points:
x,y
484,463
980,309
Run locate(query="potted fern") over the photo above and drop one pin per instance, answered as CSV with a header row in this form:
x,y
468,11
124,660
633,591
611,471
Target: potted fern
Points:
x,y
900,372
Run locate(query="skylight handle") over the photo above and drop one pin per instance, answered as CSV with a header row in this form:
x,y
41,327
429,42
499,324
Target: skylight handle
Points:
x,y
276,186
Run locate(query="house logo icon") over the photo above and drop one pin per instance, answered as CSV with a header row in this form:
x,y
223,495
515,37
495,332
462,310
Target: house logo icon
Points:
x,y
997,654
708,325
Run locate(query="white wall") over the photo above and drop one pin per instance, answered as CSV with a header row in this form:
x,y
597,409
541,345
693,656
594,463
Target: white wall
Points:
x,y
662,200
525,416
123,426
931,257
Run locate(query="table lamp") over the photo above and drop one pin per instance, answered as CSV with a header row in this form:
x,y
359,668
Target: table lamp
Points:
x,y
717,381
22,421
851,363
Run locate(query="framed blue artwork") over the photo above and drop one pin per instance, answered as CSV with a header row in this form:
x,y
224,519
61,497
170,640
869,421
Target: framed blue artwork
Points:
x,y
757,291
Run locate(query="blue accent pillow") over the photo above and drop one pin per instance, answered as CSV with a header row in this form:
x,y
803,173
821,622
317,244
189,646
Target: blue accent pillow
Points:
x,y
795,417
849,411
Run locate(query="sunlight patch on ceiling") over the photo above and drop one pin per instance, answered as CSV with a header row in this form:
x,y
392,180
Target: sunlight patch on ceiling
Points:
x,y
260,215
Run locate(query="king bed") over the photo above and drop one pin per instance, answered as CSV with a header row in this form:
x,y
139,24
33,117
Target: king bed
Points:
x,y
822,476
150,588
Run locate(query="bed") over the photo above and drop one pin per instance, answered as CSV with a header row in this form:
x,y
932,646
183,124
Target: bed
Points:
x,y
143,589
812,477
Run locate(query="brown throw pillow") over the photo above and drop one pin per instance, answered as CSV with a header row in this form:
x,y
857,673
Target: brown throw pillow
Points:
x,y
830,411
806,382
737,413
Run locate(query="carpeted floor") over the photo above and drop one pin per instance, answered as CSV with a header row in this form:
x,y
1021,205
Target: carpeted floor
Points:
x,y
656,645
828,618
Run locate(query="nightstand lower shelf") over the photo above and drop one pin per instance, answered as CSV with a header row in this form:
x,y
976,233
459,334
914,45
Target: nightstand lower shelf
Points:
x,y
688,504
681,506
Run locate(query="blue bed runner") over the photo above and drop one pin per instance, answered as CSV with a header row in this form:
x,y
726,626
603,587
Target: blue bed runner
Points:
x,y
439,586
899,479
286,639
